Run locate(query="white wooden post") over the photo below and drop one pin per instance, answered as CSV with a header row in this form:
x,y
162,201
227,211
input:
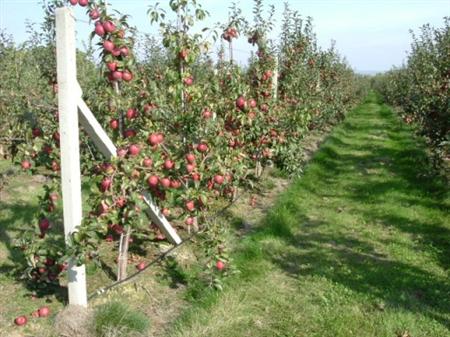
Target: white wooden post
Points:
x,y
275,80
70,152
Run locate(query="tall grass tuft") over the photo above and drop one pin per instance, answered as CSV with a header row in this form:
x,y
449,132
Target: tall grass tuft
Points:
x,y
117,319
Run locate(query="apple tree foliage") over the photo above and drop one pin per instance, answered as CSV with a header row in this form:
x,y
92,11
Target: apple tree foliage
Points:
x,y
191,131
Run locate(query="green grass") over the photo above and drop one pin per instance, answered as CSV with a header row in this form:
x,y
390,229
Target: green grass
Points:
x,y
18,206
359,246
117,319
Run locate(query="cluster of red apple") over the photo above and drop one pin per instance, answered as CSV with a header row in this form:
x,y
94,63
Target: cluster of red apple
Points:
x,y
230,33
82,3
41,312
46,151
114,44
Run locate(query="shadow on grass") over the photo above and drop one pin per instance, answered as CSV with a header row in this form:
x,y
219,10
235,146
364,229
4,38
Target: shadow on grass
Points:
x,y
15,225
20,219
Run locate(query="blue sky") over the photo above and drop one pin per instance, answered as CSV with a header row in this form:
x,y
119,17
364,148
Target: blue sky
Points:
x,y
372,34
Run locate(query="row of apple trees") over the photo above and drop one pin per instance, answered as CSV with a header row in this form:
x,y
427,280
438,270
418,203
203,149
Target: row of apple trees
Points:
x,y
190,129
421,87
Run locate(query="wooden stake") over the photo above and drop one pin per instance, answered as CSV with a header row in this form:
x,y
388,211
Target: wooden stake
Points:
x,y
70,151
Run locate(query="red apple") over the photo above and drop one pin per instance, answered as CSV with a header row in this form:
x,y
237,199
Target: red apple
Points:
x,y
83,3
63,267
131,113
26,165
109,238
116,52
117,75
147,162
166,211
190,206
165,182
189,221
56,136
73,2
55,166
44,224
105,184
152,181
127,76
202,147
118,229
241,103
252,103
190,157
109,27
134,150
53,197
21,320
218,179
160,237
140,266
108,46
190,167
44,311
155,139
94,14
49,261
188,80
114,124
121,153
124,51
128,133
175,184
121,202
99,30
47,149
220,265
207,114
36,132
169,164
112,66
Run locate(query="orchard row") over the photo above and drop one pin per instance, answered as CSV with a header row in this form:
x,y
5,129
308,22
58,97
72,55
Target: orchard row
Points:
x,y
422,86
190,130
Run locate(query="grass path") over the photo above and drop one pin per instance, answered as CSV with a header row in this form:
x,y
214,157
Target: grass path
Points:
x,y
359,246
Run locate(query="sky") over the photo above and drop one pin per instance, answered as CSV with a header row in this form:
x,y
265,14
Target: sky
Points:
x,y
373,35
